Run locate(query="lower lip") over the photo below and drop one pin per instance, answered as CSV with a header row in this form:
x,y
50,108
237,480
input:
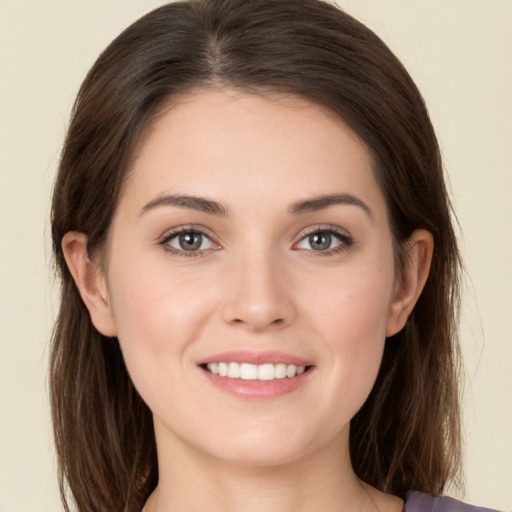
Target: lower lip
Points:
x,y
257,389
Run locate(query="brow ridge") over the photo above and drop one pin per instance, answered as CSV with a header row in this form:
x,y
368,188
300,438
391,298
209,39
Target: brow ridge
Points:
x,y
212,207
325,201
198,203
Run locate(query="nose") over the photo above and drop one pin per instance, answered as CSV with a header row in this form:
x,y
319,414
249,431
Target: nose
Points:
x,y
259,295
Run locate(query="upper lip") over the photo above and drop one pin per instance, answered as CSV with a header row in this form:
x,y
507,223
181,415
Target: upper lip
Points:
x,y
255,357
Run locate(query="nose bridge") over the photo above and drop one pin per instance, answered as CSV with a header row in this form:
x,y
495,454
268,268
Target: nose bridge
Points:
x,y
258,297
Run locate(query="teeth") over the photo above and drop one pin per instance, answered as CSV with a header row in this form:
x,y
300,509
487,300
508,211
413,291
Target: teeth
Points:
x,y
223,369
246,371
291,370
233,370
266,372
280,371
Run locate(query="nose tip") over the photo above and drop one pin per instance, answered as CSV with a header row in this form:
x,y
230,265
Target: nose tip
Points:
x,y
258,299
257,318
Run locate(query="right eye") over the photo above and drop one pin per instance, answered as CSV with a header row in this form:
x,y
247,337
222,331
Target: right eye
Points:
x,y
188,242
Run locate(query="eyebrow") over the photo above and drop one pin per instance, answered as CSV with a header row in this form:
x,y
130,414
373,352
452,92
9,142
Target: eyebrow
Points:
x,y
211,207
184,201
320,203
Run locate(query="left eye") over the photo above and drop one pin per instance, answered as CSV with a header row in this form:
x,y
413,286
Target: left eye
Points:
x,y
320,241
190,241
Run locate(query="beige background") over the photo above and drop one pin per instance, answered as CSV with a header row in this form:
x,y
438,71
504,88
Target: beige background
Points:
x,y
458,51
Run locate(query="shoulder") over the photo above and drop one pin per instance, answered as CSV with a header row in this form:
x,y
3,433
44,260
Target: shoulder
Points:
x,y
420,502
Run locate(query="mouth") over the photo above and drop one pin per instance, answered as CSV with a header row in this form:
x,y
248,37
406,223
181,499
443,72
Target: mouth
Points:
x,y
255,372
249,374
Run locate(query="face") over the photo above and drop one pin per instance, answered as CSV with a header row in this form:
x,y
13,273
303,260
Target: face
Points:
x,y
250,276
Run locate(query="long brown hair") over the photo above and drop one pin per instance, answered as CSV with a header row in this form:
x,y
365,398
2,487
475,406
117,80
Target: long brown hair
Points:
x,y
407,434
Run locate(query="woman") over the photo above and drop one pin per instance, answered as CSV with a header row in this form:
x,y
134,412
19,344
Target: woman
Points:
x,y
260,274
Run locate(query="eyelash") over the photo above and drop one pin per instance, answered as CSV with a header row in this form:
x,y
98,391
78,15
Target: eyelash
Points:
x,y
182,231
346,241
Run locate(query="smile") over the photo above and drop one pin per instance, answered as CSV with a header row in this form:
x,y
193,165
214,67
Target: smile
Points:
x,y
247,371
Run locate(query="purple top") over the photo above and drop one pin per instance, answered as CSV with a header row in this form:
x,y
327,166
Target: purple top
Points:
x,y
420,502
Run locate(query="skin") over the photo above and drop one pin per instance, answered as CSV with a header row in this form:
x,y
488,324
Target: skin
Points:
x,y
256,284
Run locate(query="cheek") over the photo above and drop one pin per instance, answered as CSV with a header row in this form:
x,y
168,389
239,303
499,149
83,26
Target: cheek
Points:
x,y
356,306
352,319
158,314
158,318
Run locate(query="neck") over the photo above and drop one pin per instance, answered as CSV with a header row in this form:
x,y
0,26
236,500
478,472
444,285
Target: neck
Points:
x,y
324,480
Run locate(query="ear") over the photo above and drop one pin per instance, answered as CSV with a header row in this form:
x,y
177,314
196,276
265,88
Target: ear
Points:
x,y
90,282
419,249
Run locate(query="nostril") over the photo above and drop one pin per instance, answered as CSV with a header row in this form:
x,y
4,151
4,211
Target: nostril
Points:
x,y
258,323
257,313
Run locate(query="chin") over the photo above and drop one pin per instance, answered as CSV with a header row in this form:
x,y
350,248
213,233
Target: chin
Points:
x,y
267,448
261,456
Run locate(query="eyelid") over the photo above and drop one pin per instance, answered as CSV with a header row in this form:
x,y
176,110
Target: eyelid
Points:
x,y
346,239
188,228
331,228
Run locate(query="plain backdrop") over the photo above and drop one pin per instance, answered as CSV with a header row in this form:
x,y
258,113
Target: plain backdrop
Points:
x,y
458,51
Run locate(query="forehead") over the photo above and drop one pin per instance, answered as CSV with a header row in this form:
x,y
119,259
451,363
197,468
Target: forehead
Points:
x,y
215,142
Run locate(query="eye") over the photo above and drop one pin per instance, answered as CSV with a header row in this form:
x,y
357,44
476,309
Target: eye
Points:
x,y
325,240
188,241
